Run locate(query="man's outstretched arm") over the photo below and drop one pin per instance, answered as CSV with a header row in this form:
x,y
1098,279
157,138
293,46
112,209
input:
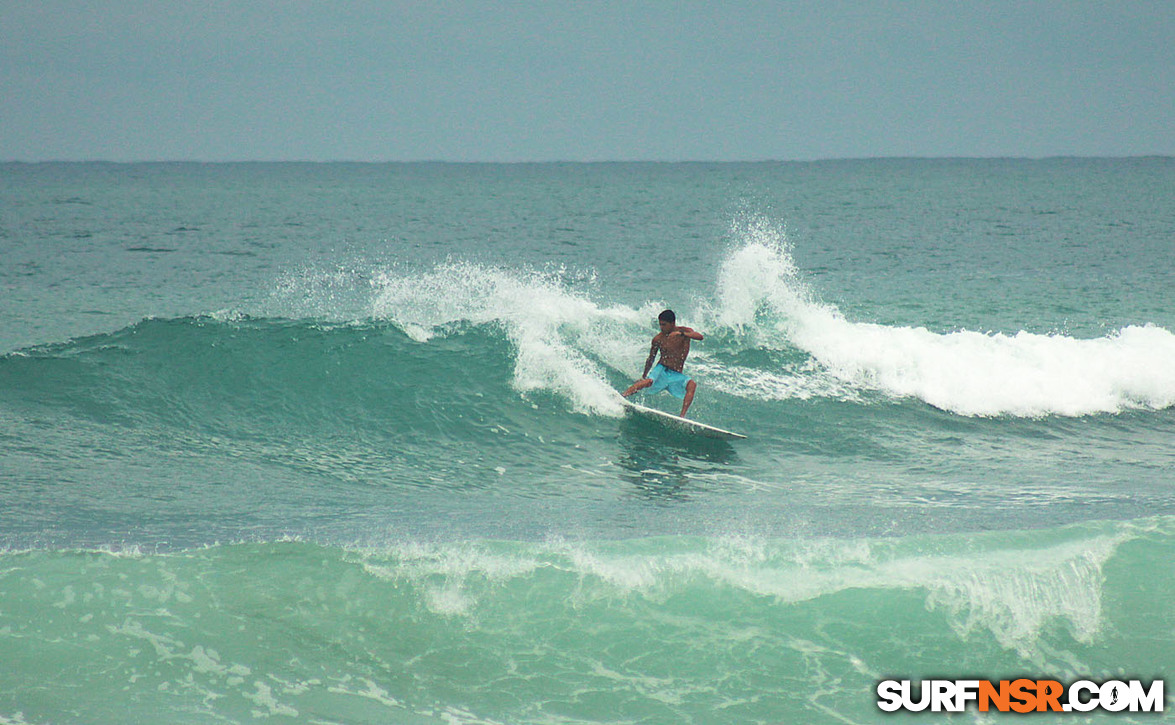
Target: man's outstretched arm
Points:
x,y
652,357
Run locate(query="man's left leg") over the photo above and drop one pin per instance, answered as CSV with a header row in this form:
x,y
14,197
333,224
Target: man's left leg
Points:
x,y
690,387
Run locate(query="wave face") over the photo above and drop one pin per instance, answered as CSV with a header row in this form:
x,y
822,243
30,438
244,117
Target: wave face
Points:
x,y
493,632
247,377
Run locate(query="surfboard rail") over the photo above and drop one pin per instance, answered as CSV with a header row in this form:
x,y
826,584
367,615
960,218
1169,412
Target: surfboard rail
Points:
x,y
691,426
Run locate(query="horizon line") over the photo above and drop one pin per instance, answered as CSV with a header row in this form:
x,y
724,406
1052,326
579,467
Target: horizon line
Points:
x,y
815,160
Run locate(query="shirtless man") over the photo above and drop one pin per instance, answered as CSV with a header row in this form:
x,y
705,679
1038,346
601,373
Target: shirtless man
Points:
x,y
673,342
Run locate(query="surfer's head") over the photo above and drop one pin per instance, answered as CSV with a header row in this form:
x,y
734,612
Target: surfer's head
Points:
x,y
667,320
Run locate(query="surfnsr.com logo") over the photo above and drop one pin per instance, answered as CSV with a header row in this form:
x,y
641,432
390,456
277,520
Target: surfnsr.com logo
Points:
x,y
1020,696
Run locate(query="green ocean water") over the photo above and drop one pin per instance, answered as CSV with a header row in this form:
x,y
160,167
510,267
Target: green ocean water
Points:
x,y
340,443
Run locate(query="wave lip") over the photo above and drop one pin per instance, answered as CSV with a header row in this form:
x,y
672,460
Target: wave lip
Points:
x,y
762,296
558,335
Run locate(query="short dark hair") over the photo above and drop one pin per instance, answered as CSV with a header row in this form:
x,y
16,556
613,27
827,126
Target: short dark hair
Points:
x,y
668,316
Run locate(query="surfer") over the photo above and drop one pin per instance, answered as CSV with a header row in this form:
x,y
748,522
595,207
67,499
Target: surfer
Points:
x,y
673,343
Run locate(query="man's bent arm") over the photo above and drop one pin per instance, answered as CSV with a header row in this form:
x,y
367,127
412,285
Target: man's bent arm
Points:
x,y
690,333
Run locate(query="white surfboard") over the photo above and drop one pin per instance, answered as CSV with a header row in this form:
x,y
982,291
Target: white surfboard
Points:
x,y
685,424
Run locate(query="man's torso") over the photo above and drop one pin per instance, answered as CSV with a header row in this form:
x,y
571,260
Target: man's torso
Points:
x,y
674,349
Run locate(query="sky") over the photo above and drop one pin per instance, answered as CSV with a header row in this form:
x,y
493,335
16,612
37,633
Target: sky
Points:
x,y
240,80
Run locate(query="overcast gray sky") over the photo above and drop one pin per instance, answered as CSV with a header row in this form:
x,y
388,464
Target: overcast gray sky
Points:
x,y
532,81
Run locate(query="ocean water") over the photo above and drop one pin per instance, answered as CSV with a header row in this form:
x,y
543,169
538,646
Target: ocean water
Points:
x,y
339,443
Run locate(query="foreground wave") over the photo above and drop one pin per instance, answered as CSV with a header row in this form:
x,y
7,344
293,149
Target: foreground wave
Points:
x,y
563,631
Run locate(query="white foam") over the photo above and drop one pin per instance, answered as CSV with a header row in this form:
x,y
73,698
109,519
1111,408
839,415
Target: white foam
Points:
x,y
1015,588
1024,374
550,327
801,383
1013,593
760,295
447,574
370,691
263,697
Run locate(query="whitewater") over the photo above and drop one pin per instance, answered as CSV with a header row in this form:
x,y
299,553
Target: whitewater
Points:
x,y
341,443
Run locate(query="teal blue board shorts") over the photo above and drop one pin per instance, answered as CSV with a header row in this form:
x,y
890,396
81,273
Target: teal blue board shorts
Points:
x,y
665,379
